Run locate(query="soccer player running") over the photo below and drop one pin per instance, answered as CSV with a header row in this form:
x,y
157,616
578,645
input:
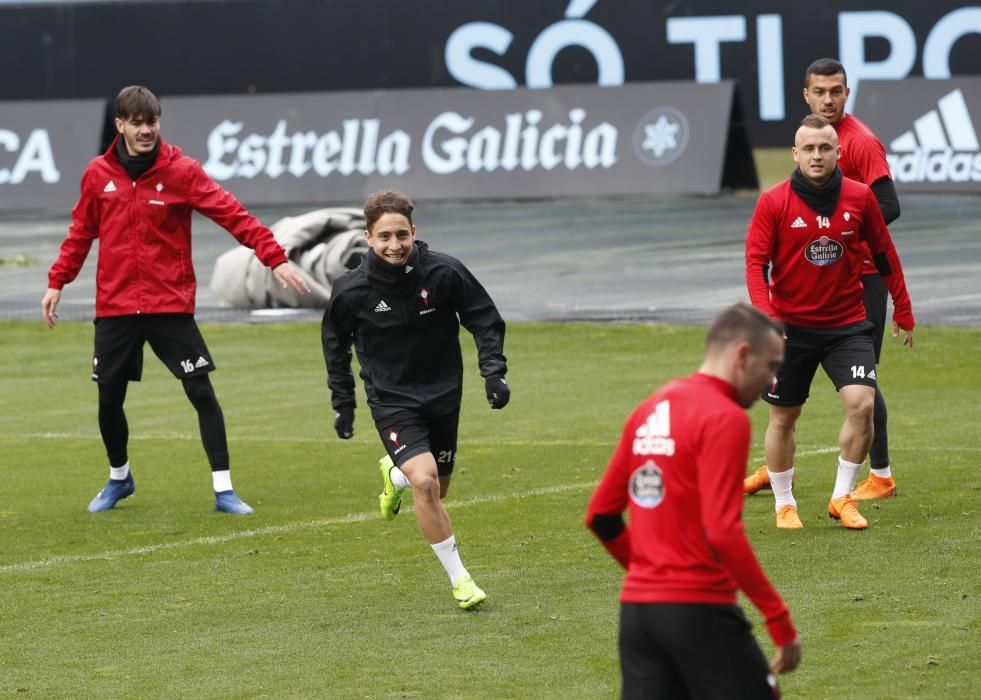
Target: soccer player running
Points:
x,y
863,159
137,199
402,309
804,255
677,469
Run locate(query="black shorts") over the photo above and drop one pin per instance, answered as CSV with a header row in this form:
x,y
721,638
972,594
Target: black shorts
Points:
x,y
406,433
846,353
875,296
674,651
175,339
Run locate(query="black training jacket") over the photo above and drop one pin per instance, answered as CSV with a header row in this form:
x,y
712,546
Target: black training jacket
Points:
x,y
404,323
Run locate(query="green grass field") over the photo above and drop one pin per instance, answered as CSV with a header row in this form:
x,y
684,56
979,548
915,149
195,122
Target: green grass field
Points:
x,y
314,596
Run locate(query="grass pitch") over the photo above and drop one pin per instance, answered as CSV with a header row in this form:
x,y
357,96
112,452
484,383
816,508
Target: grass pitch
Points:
x,y
315,596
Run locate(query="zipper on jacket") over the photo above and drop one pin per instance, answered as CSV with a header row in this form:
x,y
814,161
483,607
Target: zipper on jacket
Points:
x,y
136,237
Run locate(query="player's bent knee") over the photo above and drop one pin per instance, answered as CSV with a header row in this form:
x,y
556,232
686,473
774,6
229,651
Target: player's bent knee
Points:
x,y
200,392
859,401
425,486
784,417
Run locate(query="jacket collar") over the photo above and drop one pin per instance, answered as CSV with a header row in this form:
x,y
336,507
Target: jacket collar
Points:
x,y
168,152
390,276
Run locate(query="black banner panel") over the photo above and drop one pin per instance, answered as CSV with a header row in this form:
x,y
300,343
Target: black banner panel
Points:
x,y
203,47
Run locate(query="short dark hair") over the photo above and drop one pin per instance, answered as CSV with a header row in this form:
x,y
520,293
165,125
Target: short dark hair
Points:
x,y
825,66
815,121
741,322
137,101
387,202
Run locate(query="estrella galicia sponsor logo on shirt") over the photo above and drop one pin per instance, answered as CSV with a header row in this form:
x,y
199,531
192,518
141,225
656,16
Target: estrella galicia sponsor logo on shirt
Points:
x,y
661,136
647,485
824,251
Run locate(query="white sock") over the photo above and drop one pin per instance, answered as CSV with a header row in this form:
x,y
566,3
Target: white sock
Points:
x,y
399,480
119,473
847,475
450,559
883,473
222,480
782,484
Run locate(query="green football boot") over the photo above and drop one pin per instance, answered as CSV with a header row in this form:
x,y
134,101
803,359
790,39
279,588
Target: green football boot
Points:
x,y
467,594
390,499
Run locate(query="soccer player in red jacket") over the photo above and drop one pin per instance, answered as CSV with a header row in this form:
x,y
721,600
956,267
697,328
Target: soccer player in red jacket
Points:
x,y
862,158
678,470
137,199
804,252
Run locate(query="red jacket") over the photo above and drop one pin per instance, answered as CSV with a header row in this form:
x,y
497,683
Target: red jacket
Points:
x,y
144,232
679,469
816,275
862,158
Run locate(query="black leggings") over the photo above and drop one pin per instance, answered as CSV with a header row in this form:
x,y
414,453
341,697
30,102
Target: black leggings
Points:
x,y
211,421
875,294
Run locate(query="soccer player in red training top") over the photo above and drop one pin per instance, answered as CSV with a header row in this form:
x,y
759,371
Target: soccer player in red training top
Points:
x,y
804,254
678,468
137,199
864,159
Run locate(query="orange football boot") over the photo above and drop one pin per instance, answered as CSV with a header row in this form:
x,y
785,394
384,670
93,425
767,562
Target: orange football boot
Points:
x,y
788,519
845,509
757,481
872,488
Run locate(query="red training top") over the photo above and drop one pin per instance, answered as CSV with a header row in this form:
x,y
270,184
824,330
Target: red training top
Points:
x,y
144,232
816,261
679,468
863,158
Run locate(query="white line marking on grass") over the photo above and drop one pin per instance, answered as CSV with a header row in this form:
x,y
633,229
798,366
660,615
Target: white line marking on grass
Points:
x,y
803,450
279,439
276,530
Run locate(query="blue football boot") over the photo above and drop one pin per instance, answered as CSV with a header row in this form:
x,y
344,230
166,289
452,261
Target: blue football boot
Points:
x,y
114,491
228,502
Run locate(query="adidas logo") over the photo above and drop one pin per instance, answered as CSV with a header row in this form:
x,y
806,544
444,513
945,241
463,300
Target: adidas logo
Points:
x,y
382,306
201,363
798,223
942,146
111,187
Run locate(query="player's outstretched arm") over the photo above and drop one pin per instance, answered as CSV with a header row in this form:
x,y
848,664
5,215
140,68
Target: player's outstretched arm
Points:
x,y
787,657
49,304
288,275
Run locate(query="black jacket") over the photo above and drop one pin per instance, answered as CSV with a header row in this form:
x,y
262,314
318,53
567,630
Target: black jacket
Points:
x,y
404,323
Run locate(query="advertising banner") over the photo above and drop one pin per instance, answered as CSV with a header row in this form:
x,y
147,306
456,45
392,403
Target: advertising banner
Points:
x,y
288,46
930,130
44,147
453,143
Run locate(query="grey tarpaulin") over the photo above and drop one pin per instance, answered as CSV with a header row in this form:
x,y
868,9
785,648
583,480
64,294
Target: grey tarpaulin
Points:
x,y
324,244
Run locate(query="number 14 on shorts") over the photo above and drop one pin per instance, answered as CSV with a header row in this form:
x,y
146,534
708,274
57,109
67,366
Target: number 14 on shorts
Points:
x,y
858,372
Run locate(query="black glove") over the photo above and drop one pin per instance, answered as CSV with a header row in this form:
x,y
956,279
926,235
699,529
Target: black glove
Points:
x,y
498,392
344,423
